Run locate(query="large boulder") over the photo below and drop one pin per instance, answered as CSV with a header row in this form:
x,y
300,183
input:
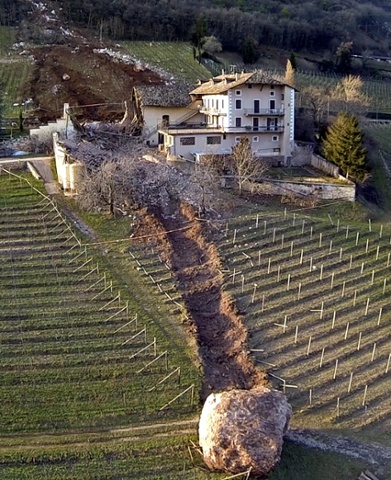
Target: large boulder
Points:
x,y
240,429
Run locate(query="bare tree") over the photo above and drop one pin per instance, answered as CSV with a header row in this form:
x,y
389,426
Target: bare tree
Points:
x,y
348,95
317,99
246,166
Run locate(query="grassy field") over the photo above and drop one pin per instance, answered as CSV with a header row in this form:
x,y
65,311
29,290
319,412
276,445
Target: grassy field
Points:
x,y
315,293
173,57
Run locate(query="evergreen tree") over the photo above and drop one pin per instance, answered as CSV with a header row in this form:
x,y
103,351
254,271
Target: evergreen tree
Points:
x,y
343,145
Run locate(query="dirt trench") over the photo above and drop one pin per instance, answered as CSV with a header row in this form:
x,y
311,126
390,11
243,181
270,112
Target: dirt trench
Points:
x,y
221,336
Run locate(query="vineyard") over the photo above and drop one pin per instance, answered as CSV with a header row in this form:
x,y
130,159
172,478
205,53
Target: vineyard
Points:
x,y
80,355
15,71
316,297
173,57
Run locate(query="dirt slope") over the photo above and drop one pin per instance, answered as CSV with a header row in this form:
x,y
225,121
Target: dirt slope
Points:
x,y
221,336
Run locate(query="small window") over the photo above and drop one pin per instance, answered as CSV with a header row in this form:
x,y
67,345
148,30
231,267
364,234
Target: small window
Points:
x,y
238,104
271,87
213,140
255,139
187,141
272,93
213,102
217,104
275,138
222,104
282,96
237,139
238,122
238,92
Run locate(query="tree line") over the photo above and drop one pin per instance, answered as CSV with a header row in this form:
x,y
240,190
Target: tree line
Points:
x,y
319,25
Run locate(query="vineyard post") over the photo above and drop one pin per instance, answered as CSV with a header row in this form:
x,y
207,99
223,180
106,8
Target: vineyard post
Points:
x,y
367,245
234,237
331,246
264,228
309,346
346,330
291,248
354,298
257,221
254,291
299,291
364,399
369,225
377,252
359,341
335,370
332,281
282,241
381,231
388,259
278,273
338,225
380,314
296,333
311,264
351,261
294,219
362,267
340,253
388,363
333,321
320,239
311,232
350,382
337,407
301,256
384,285
242,283
373,352
288,282
373,277
268,265
310,396
259,258
321,358
343,289
321,272
357,238
367,307
347,232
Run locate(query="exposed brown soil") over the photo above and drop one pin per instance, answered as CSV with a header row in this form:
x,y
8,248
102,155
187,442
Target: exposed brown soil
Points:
x,y
221,336
80,76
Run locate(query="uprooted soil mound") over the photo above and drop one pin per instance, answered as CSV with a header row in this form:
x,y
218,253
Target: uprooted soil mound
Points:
x,y
82,76
221,336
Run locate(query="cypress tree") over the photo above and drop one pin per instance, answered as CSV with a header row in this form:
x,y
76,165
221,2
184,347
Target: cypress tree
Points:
x,y
343,145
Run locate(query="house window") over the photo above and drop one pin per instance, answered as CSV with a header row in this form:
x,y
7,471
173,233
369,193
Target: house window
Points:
x,y
238,92
237,139
238,104
213,140
222,104
213,102
275,138
255,139
272,93
282,96
238,122
187,140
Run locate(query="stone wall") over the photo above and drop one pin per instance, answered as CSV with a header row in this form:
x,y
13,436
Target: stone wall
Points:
x,y
321,190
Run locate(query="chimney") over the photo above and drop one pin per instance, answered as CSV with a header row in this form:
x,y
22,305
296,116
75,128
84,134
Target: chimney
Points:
x,y
236,76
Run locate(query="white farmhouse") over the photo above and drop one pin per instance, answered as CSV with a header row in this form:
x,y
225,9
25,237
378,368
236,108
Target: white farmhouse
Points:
x,y
159,105
230,107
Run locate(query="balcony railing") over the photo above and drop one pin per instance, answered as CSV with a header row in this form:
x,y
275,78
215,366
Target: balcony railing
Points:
x,y
187,127
263,111
212,111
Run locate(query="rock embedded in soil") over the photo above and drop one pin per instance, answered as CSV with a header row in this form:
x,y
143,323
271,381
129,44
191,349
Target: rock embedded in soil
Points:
x,y
243,429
